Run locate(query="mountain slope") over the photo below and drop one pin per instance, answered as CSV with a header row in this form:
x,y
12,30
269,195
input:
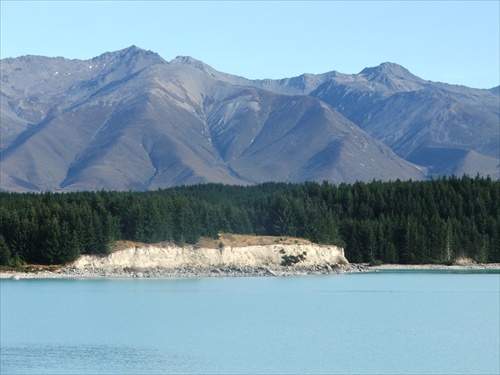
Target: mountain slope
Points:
x,y
411,115
419,120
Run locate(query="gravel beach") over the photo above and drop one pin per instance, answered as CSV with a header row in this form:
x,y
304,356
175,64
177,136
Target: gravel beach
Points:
x,y
162,273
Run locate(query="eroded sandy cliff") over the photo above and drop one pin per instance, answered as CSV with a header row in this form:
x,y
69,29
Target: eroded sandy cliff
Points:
x,y
171,256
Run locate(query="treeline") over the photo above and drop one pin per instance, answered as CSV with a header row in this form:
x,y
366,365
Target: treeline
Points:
x,y
392,222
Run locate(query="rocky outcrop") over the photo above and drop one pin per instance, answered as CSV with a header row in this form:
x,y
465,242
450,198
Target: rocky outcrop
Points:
x,y
169,256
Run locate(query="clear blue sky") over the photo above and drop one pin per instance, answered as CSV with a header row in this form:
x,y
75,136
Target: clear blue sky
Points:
x,y
447,41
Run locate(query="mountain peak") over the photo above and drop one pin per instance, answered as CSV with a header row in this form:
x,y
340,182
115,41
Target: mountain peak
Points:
x,y
130,52
132,49
388,69
188,60
130,58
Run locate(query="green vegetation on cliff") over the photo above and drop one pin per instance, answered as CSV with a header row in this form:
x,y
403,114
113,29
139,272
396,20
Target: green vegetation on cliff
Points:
x,y
393,222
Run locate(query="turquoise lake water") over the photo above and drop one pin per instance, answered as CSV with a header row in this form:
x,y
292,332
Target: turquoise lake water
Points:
x,y
367,323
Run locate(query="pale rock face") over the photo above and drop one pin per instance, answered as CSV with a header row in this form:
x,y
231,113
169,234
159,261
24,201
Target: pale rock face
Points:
x,y
151,256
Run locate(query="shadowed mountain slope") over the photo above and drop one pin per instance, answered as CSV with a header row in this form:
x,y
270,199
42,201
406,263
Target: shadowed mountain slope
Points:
x,y
411,115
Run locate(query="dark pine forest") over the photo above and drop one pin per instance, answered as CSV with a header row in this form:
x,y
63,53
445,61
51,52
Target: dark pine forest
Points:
x,y
404,222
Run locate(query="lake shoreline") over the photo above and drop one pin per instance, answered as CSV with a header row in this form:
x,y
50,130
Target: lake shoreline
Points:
x,y
165,273
463,267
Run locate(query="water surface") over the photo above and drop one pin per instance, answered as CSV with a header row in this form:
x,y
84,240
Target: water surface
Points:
x,y
372,323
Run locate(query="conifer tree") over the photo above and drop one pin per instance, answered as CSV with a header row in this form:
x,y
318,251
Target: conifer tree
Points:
x,y
5,255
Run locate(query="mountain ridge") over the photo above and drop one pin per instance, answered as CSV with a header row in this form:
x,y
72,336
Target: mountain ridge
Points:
x,y
131,120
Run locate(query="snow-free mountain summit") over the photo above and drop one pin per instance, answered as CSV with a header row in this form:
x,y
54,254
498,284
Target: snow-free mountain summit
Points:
x,y
129,120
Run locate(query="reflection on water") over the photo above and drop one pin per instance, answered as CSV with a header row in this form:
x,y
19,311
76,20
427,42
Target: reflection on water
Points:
x,y
85,359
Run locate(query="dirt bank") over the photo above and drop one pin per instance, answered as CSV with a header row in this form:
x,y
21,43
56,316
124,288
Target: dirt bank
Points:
x,y
170,256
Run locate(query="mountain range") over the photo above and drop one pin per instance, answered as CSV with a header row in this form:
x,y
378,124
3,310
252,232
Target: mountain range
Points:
x,y
129,120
